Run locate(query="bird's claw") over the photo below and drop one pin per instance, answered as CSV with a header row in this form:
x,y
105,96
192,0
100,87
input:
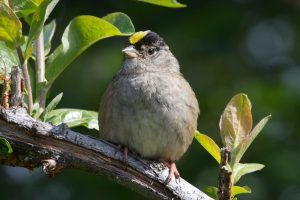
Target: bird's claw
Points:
x,y
125,153
172,172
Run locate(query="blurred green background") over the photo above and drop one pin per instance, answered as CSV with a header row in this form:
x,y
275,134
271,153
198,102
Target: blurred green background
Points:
x,y
224,48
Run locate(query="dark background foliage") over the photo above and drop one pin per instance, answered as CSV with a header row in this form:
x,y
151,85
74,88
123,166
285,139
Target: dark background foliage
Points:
x,y
224,47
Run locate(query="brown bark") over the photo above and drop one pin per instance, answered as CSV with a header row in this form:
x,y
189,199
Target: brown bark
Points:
x,y
224,179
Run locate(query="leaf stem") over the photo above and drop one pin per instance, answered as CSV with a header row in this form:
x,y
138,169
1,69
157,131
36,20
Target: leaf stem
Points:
x,y
8,3
40,69
26,77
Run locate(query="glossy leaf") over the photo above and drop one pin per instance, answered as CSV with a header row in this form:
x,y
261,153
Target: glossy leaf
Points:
x,y
236,122
23,8
74,117
10,26
165,3
243,146
37,23
5,147
82,32
121,21
235,190
211,191
55,101
240,169
209,144
49,31
8,58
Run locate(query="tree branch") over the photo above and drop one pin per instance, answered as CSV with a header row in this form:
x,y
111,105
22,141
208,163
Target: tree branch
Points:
x,y
57,147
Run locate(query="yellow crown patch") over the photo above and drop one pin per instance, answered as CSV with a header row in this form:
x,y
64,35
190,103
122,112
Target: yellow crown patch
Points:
x,y
137,36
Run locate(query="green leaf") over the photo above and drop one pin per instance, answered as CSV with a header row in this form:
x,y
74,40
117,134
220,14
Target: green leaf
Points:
x,y
241,149
211,191
121,21
37,23
36,110
5,147
10,27
209,144
235,190
236,122
24,8
49,31
82,32
74,117
165,3
8,58
55,101
240,169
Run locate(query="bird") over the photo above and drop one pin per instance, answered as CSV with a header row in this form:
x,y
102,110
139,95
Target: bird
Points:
x,y
149,107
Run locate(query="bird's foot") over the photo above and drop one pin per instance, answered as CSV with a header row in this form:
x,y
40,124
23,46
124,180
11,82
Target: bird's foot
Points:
x,y
125,152
172,172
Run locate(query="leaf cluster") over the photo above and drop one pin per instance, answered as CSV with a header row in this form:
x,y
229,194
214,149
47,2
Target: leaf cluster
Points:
x,y
237,135
80,34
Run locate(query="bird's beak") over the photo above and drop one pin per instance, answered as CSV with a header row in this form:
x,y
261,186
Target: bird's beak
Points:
x,y
130,52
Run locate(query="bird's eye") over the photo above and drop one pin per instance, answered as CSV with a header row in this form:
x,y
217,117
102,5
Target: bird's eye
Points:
x,y
151,51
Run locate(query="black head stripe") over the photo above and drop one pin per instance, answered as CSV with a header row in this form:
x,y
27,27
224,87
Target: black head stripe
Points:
x,y
151,39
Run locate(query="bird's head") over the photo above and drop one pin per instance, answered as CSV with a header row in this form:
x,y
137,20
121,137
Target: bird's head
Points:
x,y
147,51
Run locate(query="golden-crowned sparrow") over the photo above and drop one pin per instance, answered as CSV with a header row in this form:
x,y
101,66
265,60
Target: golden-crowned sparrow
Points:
x,y
149,107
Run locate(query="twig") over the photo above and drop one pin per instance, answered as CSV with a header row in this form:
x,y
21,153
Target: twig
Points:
x,y
5,89
58,147
16,97
5,92
224,179
40,69
26,77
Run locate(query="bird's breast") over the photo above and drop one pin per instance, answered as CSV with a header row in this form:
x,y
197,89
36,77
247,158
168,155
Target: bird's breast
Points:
x,y
153,114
